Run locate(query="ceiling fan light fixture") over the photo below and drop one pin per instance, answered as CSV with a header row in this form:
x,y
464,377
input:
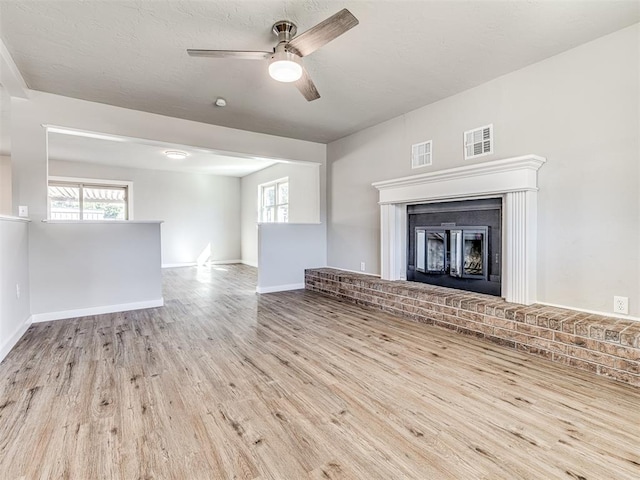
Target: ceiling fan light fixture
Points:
x,y
176,155
285,67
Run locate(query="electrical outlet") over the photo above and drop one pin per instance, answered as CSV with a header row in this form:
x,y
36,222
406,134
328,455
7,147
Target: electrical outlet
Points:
x,y
17,290
621,305
23,211
362,266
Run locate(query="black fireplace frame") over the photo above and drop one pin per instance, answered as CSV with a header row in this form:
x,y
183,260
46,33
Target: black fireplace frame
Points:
x,y
446,220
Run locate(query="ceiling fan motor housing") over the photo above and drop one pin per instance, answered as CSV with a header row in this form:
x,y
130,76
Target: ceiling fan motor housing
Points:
x,y
284,30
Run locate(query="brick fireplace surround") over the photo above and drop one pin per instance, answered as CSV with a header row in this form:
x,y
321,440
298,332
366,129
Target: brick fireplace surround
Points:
x,y
603,345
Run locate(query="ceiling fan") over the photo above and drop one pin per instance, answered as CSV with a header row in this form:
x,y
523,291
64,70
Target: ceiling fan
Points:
x,y
285,62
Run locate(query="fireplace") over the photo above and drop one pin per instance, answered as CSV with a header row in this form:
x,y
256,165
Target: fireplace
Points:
x,y
456,244
513,180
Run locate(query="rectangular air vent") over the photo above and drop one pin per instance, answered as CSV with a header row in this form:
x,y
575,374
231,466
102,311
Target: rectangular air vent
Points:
x,y
421,154
478,142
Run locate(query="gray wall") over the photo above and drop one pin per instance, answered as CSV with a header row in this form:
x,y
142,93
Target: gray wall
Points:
x,y
90,265
304,200
198,210
580,110
285,251
5,185
14,270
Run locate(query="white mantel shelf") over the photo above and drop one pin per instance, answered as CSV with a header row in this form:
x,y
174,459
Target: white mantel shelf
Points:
x,y
497,177
515,180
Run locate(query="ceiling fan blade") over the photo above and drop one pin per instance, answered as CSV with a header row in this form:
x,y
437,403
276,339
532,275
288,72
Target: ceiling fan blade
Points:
x,y
245,55
314,38
306,86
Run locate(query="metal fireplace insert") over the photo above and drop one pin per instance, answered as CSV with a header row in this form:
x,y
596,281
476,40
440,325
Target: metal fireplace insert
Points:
x,y
456,244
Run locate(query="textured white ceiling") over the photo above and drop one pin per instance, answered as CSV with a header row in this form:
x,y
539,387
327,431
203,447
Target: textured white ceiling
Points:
x,y
403,55
147,154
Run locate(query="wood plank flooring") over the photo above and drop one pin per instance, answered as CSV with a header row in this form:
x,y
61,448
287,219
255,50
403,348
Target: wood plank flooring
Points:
x,y
224,384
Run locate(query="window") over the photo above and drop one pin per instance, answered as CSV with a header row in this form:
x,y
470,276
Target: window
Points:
x,y
274,201
80,199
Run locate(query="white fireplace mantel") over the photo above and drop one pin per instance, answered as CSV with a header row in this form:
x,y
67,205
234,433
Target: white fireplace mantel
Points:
x,y
515,180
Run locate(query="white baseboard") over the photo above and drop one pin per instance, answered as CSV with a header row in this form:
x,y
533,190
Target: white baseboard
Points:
x,y
194,264
280,288
254,265
606,314
84,312
10,342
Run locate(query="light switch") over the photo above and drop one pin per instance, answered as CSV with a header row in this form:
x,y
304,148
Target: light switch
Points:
x,y
23,211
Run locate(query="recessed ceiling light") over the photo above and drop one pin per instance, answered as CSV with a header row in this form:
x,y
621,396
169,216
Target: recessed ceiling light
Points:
x,y
176,155
221,102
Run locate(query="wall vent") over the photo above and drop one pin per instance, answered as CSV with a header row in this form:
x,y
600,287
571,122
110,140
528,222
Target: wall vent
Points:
x,y
421,154
478,142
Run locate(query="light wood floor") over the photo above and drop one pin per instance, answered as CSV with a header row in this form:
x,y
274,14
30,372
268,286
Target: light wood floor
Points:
x,y
222,383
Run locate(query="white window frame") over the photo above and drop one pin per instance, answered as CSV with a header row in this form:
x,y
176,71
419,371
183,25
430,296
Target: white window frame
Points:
x,y
464,142
277,204
95,182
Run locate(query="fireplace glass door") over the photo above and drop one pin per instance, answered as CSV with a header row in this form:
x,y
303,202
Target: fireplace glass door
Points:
x,y
475,249
459,251
455,247
420,250
436,251
431,250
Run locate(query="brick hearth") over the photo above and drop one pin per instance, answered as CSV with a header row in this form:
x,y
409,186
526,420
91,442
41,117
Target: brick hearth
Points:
x,y
603,345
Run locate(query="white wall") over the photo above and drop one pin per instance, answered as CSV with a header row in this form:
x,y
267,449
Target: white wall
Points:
x,y
304,200
29,173
14,270
580,110
198,210
5,185
285,251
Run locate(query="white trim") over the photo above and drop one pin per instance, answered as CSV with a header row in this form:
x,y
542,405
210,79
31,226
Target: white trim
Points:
x,y
15,337
99,181
11,218
179,265
195,264
10,77
496,170
224,262
595,312
166,145
280,288
57,178
83,312
102,222
249,264
515,180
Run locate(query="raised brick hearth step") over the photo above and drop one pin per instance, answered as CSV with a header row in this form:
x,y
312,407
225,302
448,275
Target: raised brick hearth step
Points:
x,y
603,345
